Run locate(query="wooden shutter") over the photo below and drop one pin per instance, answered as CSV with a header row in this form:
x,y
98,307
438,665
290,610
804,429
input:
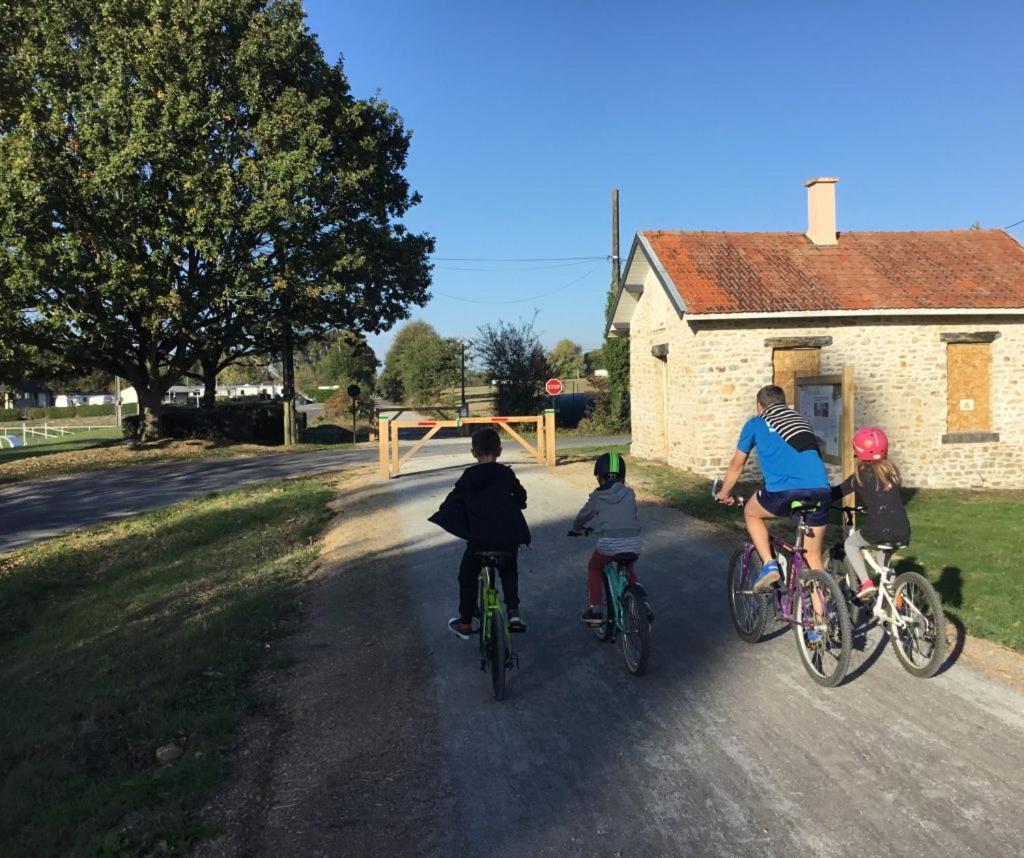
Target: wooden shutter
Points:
x,y
787,364
968,388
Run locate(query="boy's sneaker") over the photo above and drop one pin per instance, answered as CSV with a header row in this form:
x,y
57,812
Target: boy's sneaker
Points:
x,y
459,628
769,575
813,637
515,622
648,611
866,591
593,616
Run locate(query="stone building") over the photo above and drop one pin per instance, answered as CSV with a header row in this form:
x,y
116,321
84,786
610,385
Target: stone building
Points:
x,y
931,322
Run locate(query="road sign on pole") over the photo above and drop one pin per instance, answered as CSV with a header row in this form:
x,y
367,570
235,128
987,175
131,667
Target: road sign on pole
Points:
x,y
554,386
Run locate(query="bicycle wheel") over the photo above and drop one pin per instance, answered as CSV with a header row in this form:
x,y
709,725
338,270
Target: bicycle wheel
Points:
x,y
636,634
749,612
497,654
604,632
920,643
827,658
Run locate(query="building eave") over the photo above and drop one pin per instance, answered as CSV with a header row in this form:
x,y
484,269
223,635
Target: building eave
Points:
x,y
621,327
808,314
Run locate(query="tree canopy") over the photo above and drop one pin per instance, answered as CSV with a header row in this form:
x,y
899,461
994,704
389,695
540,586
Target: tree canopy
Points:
x,y
179,180
517,364
566,359
419,365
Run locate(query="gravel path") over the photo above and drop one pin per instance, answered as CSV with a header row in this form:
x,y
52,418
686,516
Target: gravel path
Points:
x,y
724,748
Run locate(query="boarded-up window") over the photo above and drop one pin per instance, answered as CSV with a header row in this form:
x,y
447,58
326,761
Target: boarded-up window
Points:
x,y
787,364
968,404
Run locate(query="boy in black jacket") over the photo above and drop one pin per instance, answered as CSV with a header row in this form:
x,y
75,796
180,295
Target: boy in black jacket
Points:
x,y
485,508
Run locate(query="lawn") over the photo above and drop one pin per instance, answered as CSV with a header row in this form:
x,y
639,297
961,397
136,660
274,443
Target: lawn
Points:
x,y
39,446
121,640
965,542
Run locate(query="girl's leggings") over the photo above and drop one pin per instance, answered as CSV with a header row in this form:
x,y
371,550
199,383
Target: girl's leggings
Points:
x,y
595,576
853,545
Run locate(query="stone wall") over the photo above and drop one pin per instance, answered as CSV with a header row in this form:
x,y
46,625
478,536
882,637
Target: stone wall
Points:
x,y
714,369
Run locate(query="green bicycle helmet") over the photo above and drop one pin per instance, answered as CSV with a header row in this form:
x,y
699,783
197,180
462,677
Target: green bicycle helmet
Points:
x,y
610,464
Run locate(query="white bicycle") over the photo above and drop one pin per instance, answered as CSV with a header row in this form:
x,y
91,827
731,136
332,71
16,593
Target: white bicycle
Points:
x,y
906,605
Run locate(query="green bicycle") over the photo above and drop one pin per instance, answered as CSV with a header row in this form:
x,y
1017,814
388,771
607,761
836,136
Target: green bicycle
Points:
x,y
627,614
496,653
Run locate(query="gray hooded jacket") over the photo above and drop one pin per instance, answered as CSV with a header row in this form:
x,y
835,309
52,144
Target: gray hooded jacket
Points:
x,y
614,507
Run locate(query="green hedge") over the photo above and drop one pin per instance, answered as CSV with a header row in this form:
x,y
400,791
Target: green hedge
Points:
x,y
52,413
241,422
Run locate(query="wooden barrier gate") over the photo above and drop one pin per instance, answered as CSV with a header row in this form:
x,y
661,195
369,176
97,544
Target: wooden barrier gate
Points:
x,y
391,463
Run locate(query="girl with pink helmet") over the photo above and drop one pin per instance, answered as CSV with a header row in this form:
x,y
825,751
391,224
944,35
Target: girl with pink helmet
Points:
x,y
876,482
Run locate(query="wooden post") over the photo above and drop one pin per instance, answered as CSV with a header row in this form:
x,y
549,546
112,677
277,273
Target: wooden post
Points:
x,y
847,429
395,465
542,453
383,439
549,436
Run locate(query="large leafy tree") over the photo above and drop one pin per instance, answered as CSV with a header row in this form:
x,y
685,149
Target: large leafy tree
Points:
x,y
515,359
420,365
186,183
566,359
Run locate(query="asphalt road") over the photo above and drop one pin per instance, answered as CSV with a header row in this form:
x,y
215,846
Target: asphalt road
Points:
x,y
36,510
724,748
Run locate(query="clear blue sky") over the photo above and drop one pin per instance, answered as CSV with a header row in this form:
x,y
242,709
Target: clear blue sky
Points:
x,y
705,115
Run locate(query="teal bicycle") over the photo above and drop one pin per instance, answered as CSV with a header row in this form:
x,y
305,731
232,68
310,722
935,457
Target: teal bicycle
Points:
x,y
627,614
496,653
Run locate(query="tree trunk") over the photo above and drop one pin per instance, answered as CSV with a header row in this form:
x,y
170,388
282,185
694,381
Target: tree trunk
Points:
x,y
150,404
210,383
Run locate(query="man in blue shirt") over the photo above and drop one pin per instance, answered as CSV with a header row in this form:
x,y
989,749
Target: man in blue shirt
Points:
x,y
793,470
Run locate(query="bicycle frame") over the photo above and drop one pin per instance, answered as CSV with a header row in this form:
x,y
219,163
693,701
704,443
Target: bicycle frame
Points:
x,y
884,608
489,603
784,599
615,576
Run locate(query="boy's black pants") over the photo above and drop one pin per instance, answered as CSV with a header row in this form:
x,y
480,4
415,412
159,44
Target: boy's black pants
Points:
x,y
469,574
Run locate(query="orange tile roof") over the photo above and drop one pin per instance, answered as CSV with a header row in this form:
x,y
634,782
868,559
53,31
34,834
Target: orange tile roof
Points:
x,y
770,272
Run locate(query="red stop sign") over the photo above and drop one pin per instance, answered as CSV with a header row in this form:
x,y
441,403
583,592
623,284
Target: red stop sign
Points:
x,y
554,386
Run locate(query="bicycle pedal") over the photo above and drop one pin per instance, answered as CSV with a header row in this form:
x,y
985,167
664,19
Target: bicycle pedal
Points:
x,y
515,631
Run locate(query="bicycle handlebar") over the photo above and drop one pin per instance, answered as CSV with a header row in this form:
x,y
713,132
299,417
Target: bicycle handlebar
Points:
x,y
716,486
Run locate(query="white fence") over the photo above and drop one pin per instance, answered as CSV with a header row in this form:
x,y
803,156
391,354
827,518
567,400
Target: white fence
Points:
x,y
23,434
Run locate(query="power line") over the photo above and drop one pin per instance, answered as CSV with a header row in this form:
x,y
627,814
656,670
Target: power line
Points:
x,y
519,259
1012,225
521,300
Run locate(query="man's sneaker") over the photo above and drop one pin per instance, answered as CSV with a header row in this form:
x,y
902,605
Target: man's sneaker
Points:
x,y
768,576
459,628
593,616
866,591
515,622
813,637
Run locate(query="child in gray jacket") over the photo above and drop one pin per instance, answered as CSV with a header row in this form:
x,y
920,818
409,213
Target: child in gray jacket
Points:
x,y
613,504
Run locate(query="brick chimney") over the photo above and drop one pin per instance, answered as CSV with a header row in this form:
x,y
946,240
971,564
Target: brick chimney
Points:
x,y
821,211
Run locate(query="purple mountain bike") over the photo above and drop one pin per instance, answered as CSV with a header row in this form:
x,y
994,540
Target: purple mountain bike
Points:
x,y
809,600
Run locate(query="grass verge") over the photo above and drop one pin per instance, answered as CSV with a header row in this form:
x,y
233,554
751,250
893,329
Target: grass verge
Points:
x,y
121,640
39,446
964,542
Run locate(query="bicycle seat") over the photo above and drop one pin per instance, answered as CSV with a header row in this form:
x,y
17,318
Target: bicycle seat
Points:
x,y
804,506
494,556
625,558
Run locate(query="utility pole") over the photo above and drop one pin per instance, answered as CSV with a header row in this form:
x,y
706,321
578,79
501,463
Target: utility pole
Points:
x,y
117,401
616,266
463,411
288,381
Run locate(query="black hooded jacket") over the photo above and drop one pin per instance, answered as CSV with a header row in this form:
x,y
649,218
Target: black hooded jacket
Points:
x,y
485,508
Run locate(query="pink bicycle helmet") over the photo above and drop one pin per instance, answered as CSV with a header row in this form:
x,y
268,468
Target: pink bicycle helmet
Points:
x,y
870,444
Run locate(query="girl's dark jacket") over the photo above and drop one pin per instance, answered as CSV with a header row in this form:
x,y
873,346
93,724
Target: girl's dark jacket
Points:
x,y
485,508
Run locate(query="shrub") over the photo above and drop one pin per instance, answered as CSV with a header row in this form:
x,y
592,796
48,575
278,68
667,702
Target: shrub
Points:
x,y
54,413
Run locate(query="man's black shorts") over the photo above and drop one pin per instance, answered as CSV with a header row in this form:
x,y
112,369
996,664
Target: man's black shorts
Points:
x,y
780,503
